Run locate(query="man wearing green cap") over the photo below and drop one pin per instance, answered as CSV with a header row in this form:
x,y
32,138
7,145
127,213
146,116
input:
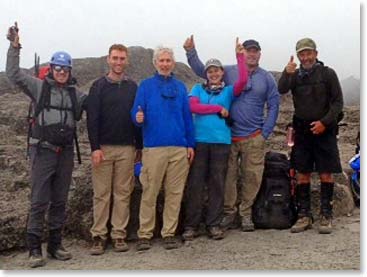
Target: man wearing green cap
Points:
x,y
318,102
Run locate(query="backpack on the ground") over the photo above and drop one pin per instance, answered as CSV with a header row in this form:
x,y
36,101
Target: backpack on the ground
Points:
x,y
274,206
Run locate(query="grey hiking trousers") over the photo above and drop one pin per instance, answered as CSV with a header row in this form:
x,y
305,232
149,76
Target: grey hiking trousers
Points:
x,y
50,181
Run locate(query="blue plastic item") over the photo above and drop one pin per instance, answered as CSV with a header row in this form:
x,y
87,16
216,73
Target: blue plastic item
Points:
x,y
137,169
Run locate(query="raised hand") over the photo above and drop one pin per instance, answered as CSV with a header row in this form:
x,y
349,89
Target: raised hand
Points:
x,y
239,47
189,43
13,35
139,115
291,66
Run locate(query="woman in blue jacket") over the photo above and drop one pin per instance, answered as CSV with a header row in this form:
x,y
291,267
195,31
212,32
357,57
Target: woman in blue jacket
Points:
x,y
210,103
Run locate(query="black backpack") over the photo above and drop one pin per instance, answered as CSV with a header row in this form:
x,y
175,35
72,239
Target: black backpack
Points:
x,y
274,206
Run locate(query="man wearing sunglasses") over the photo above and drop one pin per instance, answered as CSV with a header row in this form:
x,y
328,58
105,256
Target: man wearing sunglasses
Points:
x,y
57,106
249,131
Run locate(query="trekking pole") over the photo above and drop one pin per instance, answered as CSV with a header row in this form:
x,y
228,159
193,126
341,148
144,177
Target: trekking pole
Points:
x,y
290,134
77,148
29,133
292,174
36,65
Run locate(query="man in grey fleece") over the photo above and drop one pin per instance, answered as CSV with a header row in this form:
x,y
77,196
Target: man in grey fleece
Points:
x,y
57,108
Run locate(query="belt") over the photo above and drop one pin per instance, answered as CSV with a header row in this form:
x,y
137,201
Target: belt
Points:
x,y
55,148
238,139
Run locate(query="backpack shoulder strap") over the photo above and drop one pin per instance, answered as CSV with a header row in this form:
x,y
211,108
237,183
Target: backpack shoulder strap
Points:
x,y
325,79
324,72
74,101
74,104
44,100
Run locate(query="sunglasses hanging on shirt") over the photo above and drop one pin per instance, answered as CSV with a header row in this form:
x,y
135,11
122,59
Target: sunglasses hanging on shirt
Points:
x,y
213,89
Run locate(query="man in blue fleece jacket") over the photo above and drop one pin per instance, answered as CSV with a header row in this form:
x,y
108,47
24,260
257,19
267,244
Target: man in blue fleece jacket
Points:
x,y
249,131
161,107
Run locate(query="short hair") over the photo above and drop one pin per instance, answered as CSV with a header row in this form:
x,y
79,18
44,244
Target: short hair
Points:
x,y
119,47
161,49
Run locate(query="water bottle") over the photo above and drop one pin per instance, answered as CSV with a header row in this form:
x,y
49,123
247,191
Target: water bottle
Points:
x,y
290,136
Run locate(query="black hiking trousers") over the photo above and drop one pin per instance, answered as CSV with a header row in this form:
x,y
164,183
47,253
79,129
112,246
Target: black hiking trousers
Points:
x,y
209,171
50,180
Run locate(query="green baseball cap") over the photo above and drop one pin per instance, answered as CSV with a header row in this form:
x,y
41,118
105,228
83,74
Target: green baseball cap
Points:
x,y
305,43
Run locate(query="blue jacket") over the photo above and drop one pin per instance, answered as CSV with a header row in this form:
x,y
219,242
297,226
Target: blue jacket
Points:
x,y
210,128
247,110
167,116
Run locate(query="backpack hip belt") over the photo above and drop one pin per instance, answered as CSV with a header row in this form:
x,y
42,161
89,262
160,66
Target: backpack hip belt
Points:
x,y
55,148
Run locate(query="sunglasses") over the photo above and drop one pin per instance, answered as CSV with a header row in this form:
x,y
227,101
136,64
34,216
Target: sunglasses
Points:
x,y
169,94
58,68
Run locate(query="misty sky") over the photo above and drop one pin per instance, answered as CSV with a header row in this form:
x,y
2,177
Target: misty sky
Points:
x,y
88,28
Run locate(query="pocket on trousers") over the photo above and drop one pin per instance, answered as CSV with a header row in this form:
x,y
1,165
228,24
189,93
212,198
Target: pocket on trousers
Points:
x,y
33,156
258,142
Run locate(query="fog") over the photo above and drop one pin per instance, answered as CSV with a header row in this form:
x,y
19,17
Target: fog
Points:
x,y
87,29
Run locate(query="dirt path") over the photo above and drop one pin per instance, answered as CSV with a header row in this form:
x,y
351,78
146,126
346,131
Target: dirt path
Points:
x,y
262,249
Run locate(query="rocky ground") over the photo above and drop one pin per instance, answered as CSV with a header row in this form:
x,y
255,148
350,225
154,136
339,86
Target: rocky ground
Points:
x,y
259,250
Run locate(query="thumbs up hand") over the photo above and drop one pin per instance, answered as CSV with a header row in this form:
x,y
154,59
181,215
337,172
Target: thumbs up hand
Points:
x,y
239,47
291,66
13,35
189,43
139,115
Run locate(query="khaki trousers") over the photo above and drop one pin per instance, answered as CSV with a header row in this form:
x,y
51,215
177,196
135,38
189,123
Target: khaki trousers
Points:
x,y
167,166
251,154
113,181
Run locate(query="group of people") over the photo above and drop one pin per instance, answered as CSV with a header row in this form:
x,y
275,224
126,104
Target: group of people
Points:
x,y
213,137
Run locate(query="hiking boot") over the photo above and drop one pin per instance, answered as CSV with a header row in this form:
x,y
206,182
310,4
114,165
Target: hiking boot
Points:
x,y
227,221
35,258
215,233
98,247
35,250
119,245
54,247
189,234
170,243
60,253
246,224
143,244
302,224
325,226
